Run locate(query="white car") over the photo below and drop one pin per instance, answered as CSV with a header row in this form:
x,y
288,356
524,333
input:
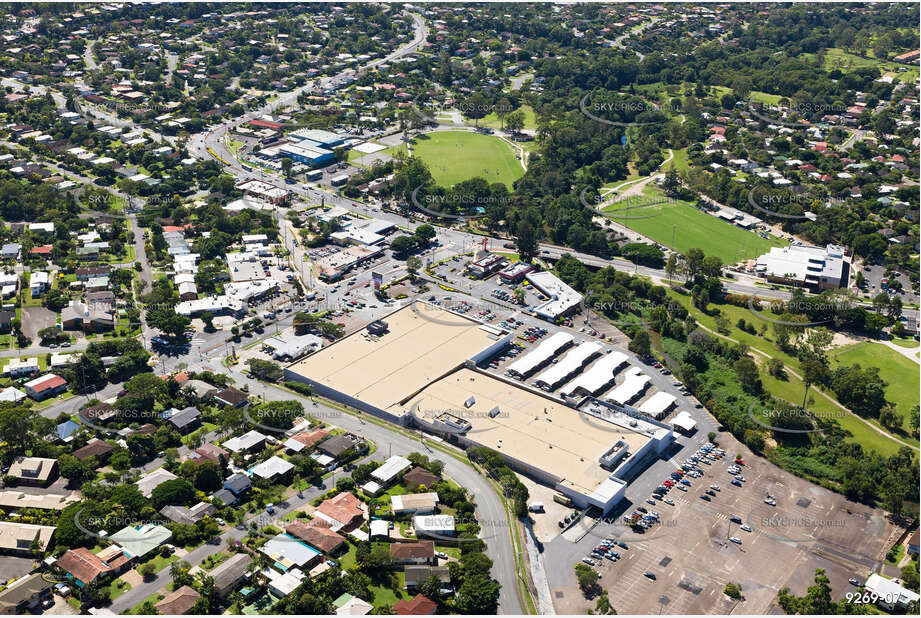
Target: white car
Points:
x,y
668,501
736,540
770,501
746,527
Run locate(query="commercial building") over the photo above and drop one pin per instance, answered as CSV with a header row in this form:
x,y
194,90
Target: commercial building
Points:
x,y
424,372
515,272
306,154
634,385
802,265
486,264
264,191
562,299
659,405
318,138
289,348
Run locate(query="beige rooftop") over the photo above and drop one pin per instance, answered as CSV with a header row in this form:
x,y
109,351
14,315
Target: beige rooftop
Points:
x,y
529,427
422,344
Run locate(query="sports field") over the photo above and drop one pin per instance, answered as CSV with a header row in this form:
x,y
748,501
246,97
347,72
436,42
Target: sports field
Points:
x,y
692,228
455,156
899,372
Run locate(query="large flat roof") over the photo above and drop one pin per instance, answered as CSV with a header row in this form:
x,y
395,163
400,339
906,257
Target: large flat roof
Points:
x,y
529,427
420,346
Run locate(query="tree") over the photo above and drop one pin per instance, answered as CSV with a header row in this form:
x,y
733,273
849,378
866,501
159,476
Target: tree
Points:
x,y
603,605
587,577
177,492
168,321
526,241
76,471
671,266
55,299
286,165
514,122
640,344
476,108
775,368
431,588
747,371
818,600
267,371
413,264
814,372
208,318
147,570
733,590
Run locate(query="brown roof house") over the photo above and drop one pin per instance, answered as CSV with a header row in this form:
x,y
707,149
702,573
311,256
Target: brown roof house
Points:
x,y
100,449
178,602
319,536
419,605
341,511
419,476
85,567
419,552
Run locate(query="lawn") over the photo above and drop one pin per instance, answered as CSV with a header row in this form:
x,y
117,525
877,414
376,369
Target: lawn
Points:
x,y
905,343
661,220
791,389
680,161
389,596
900,373
491,120
455,156
837,58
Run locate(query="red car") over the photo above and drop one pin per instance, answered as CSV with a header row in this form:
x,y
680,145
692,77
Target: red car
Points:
x,y
740,462
680,472
669,483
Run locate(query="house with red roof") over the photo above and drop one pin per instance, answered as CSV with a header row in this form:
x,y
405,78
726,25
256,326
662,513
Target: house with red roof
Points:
x,y
419,605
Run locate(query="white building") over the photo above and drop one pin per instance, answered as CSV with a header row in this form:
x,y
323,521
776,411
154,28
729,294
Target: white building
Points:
x,y
812,267
562,298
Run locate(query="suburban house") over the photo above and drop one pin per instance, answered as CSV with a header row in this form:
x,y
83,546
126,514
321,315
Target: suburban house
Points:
x,y
415,575
335,446
45,386
208,452
89,318
238,484
38,471
341,511
25,595
24,539
419,605
231,397
150,481
348,605
100,449
304,440
184,420
249,441
417,504
178,602
138,541
274,469
420,552
433,525
228,575
188,515
85,567
317,535
419,476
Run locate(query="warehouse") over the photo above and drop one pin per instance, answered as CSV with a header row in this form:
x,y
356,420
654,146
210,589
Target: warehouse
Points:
x,y
572,363
306,154
548,348
290,347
